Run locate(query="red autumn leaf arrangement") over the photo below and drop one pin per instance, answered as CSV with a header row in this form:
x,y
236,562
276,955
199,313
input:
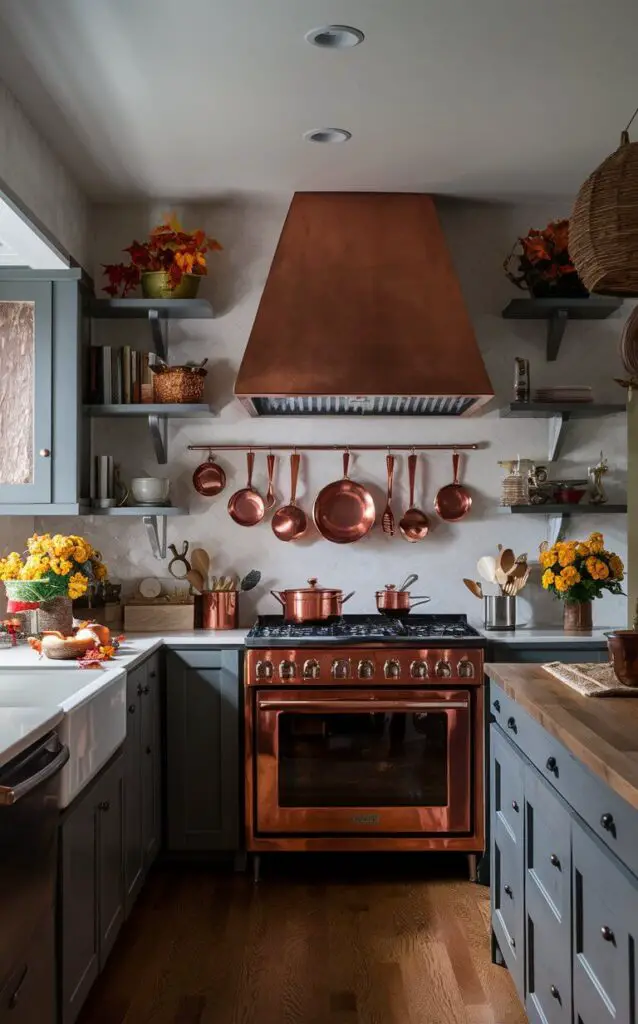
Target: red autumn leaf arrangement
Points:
x,y
543,264
169,248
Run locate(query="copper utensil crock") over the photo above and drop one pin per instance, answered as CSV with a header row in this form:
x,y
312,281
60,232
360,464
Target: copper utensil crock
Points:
x,y
220,609
311,603
290,522
344,511
209,478
415,524
397,603
246,507
623,652
453,502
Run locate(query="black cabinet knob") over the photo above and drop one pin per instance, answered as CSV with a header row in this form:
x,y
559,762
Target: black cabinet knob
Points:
x,y
511,724
497,705
552,765
146,690
608,823
508,891
554,861
104,805
152,675
515,806
131,709
607,933
149,750
140,689
554,991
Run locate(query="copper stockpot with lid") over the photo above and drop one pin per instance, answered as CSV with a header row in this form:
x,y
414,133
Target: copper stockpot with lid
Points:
x,y
311,603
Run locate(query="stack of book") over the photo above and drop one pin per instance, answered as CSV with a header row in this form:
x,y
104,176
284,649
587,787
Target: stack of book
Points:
x,y
119,376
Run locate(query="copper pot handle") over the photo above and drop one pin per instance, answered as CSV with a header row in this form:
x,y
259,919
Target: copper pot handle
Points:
x,y
279,598
348,596
420,600
250,463
346,464
412,476
295,460
389,461
456,458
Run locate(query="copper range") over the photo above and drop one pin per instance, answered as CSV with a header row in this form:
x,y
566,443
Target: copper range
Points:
x,y
365,734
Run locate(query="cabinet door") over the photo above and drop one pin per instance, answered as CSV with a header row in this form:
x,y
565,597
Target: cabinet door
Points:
x,y
29,996
507,786
202,750
506,852
151,763
133,838
25,391
110,809
605,933
78,907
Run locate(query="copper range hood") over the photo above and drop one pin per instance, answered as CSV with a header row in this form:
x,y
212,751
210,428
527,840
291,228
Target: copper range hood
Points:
x,y
362,314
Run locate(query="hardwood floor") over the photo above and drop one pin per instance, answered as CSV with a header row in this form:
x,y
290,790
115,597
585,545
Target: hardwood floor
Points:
x,y
321,940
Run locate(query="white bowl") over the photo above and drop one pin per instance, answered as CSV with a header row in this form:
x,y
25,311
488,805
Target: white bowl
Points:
x,y
150,490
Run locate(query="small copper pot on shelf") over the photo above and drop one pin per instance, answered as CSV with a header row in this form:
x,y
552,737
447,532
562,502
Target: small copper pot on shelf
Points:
x,y
397,603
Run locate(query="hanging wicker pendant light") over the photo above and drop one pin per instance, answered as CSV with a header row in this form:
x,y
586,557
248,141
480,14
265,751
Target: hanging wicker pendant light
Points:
x,y
603,230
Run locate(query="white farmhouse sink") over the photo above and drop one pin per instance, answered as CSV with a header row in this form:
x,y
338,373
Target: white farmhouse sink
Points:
x,y
94,706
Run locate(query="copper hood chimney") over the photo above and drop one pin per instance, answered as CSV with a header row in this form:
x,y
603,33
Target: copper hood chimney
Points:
x,y
362,314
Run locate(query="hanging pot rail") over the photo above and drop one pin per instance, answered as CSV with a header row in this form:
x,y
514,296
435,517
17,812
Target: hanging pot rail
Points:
x,y
334,447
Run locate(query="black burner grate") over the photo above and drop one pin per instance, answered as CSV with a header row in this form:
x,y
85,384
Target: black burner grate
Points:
x,y
362,629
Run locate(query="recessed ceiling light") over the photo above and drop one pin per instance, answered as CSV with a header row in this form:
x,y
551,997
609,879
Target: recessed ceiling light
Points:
x,y
335,37
327,135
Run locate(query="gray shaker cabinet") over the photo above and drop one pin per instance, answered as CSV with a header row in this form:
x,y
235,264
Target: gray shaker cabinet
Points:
x,y
203,749
91,906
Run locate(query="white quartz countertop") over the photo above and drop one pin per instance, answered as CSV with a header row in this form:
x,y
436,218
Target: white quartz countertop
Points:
x,y
526,635
22,726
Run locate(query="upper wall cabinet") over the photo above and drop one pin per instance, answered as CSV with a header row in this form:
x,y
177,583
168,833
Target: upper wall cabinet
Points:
x,y
43,320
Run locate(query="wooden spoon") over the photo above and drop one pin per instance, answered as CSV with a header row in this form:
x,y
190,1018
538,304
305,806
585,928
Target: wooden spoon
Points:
x,y
196,581
414,524
505,562
475,588
200,561
486,566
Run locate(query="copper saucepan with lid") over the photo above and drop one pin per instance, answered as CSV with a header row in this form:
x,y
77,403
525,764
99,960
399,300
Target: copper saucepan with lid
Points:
x,y
311,603
397,603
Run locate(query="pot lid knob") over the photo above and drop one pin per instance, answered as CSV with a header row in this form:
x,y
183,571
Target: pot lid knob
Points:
x,y
313,582
390,586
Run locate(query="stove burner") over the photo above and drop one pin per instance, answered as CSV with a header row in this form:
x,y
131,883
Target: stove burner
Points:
x,y
271,630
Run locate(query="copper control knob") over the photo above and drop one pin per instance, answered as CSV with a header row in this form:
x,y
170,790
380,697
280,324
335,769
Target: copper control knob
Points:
x,y
392,669
443,669
264,669
287,669
366,669
311,669
419,669
340,669
465,669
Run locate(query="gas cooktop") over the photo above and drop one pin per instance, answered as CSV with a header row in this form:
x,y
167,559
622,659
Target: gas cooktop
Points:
x,y
444,630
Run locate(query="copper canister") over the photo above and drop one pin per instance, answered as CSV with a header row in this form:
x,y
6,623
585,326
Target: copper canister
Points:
x,y
220,609
623,650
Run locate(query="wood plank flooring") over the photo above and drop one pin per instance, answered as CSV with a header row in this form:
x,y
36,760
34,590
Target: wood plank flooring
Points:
x,y
321,940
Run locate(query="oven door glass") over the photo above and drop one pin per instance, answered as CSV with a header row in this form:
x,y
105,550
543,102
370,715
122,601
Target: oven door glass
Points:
x,y
341,761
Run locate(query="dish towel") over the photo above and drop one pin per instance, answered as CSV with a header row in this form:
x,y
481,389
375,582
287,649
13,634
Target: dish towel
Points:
x,y
597,680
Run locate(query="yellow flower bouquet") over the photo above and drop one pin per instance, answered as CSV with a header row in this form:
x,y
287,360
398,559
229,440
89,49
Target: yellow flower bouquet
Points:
x,y
52,566
576,571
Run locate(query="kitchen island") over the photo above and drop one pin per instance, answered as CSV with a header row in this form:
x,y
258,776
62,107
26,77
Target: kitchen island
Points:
x,y
564,845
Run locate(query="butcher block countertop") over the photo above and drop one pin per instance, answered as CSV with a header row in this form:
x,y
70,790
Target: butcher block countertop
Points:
x,y
602,733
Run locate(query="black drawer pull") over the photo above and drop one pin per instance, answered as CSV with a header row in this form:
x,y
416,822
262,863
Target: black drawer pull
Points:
x,y
513,943
149,750
497,706
554,861
507,889
608,823
552,766
607,934
554,991
511,724
104,805
515,806
13,1002
131,709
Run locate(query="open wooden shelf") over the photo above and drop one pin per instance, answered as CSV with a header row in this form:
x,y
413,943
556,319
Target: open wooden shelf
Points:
x,y
557,312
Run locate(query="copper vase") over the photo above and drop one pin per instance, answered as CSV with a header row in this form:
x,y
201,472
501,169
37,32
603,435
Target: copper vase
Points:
x,y
220,609
577,616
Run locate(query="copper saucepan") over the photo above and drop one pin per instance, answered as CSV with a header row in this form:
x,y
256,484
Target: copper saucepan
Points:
x,y
311,603
453,502
397,603
209,479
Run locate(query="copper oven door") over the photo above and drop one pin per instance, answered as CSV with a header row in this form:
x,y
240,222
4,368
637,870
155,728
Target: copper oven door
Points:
x,y
340,761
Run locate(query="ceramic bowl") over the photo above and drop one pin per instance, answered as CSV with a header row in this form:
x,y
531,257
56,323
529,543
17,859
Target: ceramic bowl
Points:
x,y
150,490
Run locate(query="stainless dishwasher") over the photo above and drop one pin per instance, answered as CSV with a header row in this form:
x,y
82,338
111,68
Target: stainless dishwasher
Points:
x,y
28,853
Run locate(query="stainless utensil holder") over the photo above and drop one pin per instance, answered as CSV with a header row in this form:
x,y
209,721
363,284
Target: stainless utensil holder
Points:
x,y
500,612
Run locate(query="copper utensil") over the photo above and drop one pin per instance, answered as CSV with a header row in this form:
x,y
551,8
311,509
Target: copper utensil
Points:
x,y
387,519
246,507
209,478
219,609
290,522
453,502
409,580
269,500
415,524
344,511
474,587
311,603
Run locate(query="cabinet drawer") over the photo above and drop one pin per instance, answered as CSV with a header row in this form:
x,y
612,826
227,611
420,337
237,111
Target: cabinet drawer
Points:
x,y
605,930
29,995
203,658
506,780
507,902
547,961
547,847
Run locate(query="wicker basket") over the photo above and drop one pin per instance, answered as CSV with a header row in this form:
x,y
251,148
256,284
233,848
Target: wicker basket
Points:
x,y
603,231
178,384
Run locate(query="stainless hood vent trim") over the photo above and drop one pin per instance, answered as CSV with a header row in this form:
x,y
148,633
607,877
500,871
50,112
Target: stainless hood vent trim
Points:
x,y
346,405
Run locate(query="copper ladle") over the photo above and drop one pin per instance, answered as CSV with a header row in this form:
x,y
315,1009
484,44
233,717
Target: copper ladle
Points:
x,y
290,522
415,524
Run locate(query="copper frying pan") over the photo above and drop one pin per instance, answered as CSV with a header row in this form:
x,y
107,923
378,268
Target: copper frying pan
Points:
x,y
209,478
344,511
453,502
246,506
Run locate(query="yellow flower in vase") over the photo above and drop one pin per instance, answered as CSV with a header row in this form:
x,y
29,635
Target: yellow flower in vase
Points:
x,y
61,566
78,585
547,579
571,575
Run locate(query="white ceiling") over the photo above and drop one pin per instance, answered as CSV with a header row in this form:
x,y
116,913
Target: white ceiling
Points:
x,y
192,99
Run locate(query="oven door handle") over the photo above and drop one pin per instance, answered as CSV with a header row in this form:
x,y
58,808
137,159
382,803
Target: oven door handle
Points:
x,y
364,706
10,795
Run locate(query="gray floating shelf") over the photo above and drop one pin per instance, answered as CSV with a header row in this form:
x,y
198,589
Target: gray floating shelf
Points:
x,y
571,410
169,309
171,411
557,312
137,510
582,509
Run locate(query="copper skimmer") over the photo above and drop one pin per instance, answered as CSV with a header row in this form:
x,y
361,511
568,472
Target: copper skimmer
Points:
x,y
290,522
344,510
415,524
387,519
246,506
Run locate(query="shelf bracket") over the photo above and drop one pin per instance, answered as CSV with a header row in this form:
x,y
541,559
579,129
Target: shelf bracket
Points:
x,y
159,333
556,425
158,427
556,325
156,531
